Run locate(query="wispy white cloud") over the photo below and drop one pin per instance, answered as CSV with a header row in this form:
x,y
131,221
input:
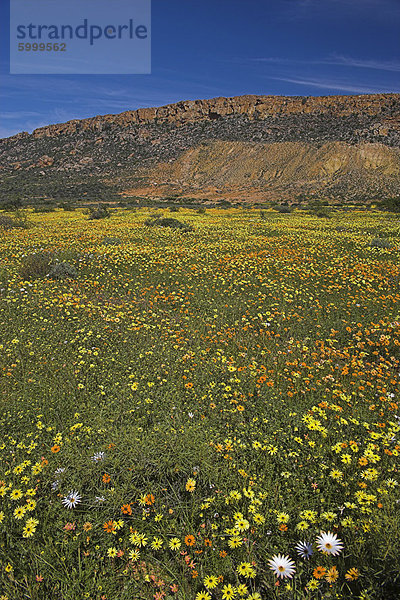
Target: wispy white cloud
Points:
x,y
18,114
334,60
337,86
348,61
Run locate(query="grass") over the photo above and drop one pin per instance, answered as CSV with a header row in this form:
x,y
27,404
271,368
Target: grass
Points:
x,y
190,406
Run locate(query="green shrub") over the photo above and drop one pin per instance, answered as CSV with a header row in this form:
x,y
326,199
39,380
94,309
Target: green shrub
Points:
x,y
201,210
391,204
100,212
283,208
62,270
36,266
174,208
381,243
7,222
20,219
44,264
322,213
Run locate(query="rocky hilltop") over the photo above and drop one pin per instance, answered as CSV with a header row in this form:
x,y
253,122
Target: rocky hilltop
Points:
x,y
255,147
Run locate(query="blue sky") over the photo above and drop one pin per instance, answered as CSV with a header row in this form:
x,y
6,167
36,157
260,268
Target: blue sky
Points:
x,y
208,48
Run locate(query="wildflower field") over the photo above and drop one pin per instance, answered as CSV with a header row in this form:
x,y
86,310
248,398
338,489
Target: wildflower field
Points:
x,y
206,414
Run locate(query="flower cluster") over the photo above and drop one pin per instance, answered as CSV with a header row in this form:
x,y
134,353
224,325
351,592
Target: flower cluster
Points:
x,y
210,414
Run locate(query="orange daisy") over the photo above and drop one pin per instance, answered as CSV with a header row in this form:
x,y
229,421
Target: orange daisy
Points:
x,y
319,572
190,540
109,526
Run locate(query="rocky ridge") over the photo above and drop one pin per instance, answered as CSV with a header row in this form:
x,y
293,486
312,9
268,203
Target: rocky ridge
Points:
x,y
148,149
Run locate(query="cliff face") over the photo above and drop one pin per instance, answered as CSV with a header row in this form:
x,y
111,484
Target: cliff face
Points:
x,y
254,107
130,148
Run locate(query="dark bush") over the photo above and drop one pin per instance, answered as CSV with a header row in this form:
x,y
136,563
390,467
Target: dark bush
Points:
x,y
7,222
100,212
19,219
381,243
391,204
322,214
44,264
201,210
174,208
283,208
36,266
62,270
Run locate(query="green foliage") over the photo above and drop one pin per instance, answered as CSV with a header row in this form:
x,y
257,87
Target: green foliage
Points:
x,y
19,220
36,266
379,242
99,212
322,213
12,204
42,265
282,208
7,222
391,204
62,270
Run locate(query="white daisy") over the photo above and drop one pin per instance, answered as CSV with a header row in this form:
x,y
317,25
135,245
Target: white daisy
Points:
x,y
282,566
72,499
304,549
98,456
329,543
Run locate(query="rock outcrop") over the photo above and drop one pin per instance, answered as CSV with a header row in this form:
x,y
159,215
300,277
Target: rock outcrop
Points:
x,y
254,107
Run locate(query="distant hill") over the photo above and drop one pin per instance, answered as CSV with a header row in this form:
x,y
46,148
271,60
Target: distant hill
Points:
x,y
242,148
